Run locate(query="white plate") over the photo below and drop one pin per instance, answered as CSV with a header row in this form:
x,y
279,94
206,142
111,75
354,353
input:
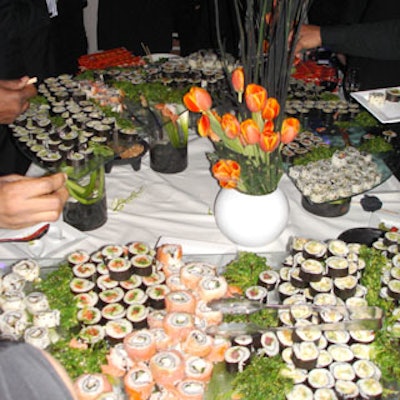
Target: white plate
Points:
x,y
389,113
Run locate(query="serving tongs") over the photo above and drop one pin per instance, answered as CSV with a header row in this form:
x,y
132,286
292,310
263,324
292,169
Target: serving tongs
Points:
x,y
354,318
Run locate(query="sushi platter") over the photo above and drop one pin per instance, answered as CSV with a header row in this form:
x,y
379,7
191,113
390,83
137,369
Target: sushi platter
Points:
x,y
127,303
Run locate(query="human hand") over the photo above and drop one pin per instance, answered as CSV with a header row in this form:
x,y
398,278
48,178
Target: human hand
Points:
x,y
309,38
14,98
26,201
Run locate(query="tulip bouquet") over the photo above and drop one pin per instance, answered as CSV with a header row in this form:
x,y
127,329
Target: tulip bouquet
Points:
x,y
247,142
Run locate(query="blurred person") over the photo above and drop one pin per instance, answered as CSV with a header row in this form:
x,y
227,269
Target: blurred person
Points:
x,y
369,37
30,373
135,24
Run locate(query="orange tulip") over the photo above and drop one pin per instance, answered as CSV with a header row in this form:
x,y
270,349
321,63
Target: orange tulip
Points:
x,y
197,99
250,132
205,130
269,126
271,109
230,125
269,141
256,97
238,80
290,129
227,172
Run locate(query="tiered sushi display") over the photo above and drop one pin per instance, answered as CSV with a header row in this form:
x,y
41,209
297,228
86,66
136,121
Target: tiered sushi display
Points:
x,y
151,309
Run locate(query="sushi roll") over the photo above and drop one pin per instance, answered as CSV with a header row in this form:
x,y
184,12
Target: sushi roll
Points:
x,y
155,278
139,382
220,345
237,358
169,254
269,344
338,248
37,336
345,287
296,280
112,251
155,318
92,334
113,311
193,272
163,341
341,353
208,315
137,314
197,343
111,296
91,386
142,264
135,296
257,293
305,355
325,394
89,316
198,369
243,340
325,285
117,329
320,378
104,281
190,389
268,279
120,269
134,282
36,302
314,249
212,288
178,325
28,269
365,369
140,345
135,248
13,323
167,368
78,257
180,301
311,270
342,371
300,391
370,388
337,266
346,389
13,282
79,285
86,270
156,295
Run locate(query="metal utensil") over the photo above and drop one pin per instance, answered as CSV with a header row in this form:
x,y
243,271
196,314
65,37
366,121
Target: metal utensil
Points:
x,y
33,236
354,318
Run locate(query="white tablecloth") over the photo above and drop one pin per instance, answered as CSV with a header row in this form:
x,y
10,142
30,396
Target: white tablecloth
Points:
x,y
178,209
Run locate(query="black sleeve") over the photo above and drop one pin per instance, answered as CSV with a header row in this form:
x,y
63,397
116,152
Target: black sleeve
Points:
x,y
378,40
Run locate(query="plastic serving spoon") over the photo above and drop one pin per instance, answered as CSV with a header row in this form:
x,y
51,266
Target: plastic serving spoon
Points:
x,y
33,236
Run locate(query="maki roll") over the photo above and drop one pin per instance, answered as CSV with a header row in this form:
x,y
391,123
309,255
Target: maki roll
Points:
x,y
197,343
89,316
370,388
135,296
319,378
341,353
345,287
137,314
133,282
157,294
342,371
135,248
104,282
142,264
300,392
257,293
113,311
325,394
120,269
305,355
337,266
156,278
79,285
117,329
78,257
237,358
311,270
86,270
268,279
338,248
315,249
111,296
243,340
269,344
346,389
92,334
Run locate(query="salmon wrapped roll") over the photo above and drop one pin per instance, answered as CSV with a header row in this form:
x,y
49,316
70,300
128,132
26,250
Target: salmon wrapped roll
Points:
x,y
139,382
180,301
140,345
198,369
210,316
162,340
212,288
178,325
220,346
190,390
193,272
168,368
169,255
197,343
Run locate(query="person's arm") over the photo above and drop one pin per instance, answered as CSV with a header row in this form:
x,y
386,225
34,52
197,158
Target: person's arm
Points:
x,y
14,98
378,40
26,201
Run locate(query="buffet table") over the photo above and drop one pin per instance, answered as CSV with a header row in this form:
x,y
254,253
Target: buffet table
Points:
x,y
177,208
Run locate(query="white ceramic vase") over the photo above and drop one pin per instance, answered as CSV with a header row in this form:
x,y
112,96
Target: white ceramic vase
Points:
x,y
251,221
